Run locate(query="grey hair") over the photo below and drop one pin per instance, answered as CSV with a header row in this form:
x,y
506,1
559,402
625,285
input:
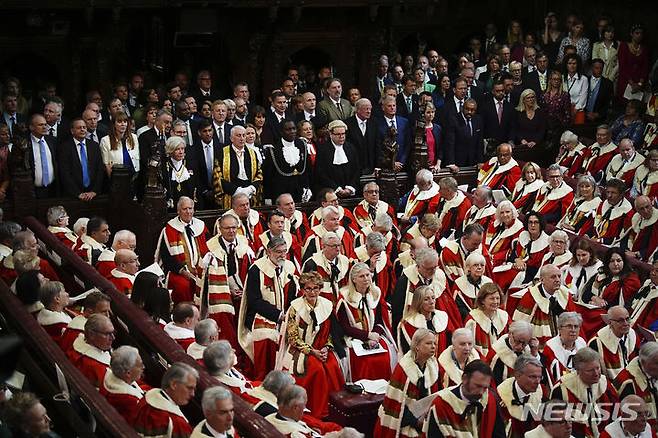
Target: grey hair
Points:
x,y
276,380
237,196
230,103
358,267
568,137
376,241
558,234
95,321
425,175
80,224
48,291
290,395
416,339
554,166
172,143
211,396
361,101
448,183
649,351
123,236
371,183
628,141
55,213
217,357
488,192
567,316
178,372
276,241
383,220
524,360
588,179
474,258
426,254
20,239
205,330
463,331
518,327
329,236
123,360
329,209
179,122
183,199
506,204
583,356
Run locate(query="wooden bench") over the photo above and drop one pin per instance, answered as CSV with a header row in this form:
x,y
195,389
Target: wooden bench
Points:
x,y
355,410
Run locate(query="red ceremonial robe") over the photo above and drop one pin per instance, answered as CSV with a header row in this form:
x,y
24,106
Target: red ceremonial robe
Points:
x,y
122,281
105,263
611,223
465,290
644,308
54,323
365,215
531,251
519,417
580,215
552,203
75,328
345,217
495,176
412,233
123,396
314,242
502,358
534,307
609,346
438,323
643,235
634,380
499,240
64,235
158,416
452,259
483,216
195,351
625,171
449,416
188,253
572,159
586,412
524,194
251,227
486,331
383,275
182,335
308,328
558,361
332,278
297,225
408,382
450,373
598,158
92,362
421,202
615,429
293,247
645,182
451,214
575,277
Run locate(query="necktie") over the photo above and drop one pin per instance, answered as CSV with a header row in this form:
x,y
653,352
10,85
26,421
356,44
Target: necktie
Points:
x,y
277,272
516,400
45,169
127,160
624,351
84,164
500,112
593,94
582,277
589,395
220,134
470,127
340,109
190,236
189,132
409,104
569,364
393,123
12,120
92,136
207,151
372,212
542,82
230,262
363,127
334,272
472,408
51,131
461,105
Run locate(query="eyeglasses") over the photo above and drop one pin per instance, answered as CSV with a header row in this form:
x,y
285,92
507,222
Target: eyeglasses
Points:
x,y
570,326
628,319
111,334
313,289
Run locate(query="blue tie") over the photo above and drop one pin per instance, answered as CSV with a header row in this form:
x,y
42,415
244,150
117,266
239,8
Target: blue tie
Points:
x,y
83,162
209,164
45,171
592,97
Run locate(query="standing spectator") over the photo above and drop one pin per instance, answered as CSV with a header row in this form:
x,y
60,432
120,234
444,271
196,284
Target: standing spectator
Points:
x,y
633,64
530,120
120,147
577,85
600,94
557,104
551,36
577,39
607,51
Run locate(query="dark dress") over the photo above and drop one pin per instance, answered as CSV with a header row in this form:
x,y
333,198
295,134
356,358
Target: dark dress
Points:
x,y
531,130
176,189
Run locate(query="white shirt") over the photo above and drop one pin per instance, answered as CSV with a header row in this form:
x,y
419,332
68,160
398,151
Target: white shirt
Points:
x,y
457,106
77,148
577,86
362,125
339,154
36,151
214,432
308,116
242,173
389,120
217,129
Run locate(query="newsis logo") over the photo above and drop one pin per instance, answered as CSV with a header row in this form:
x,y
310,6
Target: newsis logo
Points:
x,y
581,412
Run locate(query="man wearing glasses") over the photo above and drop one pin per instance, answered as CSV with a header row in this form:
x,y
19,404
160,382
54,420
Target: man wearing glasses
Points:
x,y
617,342
554,197
91,352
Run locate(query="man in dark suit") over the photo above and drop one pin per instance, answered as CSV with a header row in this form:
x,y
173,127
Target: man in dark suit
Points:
x,y
277,113
146,140
57,127
183,113
402,126
42,156
382,79
407,101
464,142
222,134
203,152
81,170
337,164
473,91
454,102
95,130
600,94
538,78
9,115
203,90
498,116
362,133
309,111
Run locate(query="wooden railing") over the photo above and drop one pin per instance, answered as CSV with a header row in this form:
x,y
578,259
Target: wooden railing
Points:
x,y
40,364
135,327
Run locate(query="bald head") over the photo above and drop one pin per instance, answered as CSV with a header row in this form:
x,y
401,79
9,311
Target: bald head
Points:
x,y
643,206
550,278
126,261
618,320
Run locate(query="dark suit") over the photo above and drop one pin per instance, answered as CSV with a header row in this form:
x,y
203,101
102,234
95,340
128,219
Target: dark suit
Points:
x,y
318,120
52,189
531,80
146,141
475,92
462,147
330,175
403,110
226,134
375,92
367,146
602,100
197,155
502,131
271,134
70,168
404,137
63,130
101,131
18,118
200,98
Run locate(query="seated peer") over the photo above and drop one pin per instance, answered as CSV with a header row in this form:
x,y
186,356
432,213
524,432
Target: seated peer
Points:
x,y
120,386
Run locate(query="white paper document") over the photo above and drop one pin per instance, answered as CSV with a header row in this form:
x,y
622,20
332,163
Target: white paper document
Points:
x,y
498,196
361,350
373,386
419,408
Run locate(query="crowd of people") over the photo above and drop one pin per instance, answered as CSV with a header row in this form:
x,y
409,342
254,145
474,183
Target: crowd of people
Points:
x,y
481,309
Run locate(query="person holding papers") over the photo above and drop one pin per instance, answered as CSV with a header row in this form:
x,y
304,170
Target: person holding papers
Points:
x,y
415,377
